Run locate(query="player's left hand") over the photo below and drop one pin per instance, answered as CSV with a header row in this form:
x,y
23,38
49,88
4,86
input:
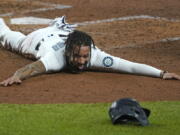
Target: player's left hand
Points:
x,y
168,76
10,81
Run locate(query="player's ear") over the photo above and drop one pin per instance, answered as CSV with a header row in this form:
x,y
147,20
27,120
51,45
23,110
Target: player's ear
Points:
x,y
69,56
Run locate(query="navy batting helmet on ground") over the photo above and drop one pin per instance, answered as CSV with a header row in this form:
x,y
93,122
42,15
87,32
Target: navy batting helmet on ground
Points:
x,y
128,110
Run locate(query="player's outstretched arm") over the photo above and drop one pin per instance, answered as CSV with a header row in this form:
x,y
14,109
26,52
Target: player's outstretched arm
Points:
x,y
30,70
106,62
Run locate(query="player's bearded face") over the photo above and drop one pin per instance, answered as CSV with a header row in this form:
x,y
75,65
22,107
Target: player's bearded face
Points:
x,y
81,57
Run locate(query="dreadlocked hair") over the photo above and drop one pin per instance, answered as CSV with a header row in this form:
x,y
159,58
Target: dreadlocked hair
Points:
x,y
76,38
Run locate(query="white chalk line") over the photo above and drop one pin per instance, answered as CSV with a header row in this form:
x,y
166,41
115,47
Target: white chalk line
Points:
x,y
50,5
127,18
35,20
171,39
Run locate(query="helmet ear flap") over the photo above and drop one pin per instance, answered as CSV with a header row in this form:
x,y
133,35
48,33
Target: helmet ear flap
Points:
x,y
147,111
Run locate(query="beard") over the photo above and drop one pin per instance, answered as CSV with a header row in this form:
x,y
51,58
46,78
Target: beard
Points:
x,y
77,68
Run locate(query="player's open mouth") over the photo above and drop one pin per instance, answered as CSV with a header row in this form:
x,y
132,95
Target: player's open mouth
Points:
x,y
81,67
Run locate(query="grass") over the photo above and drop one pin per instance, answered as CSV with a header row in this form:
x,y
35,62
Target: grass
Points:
x,y
84,119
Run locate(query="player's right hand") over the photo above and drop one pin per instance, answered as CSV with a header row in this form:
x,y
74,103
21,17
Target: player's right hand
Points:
x,y
168,76
10,81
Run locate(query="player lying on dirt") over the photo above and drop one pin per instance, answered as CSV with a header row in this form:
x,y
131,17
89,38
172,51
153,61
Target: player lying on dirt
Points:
x,y
59,46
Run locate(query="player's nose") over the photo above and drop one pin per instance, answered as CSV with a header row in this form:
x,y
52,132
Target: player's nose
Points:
x,y
82,60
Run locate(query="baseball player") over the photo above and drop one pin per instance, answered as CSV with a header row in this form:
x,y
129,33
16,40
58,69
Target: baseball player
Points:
x,y
59,46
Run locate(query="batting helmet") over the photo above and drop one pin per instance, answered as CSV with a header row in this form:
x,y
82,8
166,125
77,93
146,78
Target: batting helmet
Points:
x,y
128,110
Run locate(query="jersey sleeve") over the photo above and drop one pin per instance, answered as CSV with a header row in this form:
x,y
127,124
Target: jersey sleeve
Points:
x,y
53,63
103,61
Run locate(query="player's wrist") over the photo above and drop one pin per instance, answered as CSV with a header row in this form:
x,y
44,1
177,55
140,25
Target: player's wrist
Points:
x,y
163,73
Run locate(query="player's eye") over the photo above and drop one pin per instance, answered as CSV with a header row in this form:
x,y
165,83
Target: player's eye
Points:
x,y
77,56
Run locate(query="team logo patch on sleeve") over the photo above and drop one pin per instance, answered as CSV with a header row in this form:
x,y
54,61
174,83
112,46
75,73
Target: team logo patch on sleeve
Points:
x,y
57,46
108,61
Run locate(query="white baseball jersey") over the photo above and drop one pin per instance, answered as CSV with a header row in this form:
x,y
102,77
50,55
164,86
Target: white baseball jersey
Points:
x,y
47,44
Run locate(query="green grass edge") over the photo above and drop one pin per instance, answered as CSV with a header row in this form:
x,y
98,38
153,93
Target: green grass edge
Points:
x,y
84,119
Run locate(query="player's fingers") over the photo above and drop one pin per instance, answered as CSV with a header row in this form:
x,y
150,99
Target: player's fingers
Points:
x,y
14,80
173,76
11,82
18,81
5,82
177,77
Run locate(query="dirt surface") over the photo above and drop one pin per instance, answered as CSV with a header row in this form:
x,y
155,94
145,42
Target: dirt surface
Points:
x,y
139,40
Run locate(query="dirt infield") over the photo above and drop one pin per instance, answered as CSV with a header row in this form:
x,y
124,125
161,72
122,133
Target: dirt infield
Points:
x,y
153,41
